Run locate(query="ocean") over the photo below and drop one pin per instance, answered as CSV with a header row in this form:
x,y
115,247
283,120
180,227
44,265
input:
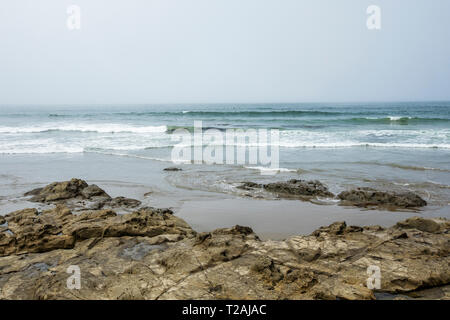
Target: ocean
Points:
x,y
394,146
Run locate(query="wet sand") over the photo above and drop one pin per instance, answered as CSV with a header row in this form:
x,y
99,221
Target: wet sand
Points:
x,y
278,219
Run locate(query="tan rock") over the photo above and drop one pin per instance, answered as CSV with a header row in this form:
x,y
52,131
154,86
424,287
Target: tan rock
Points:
x,y
30,231
151,254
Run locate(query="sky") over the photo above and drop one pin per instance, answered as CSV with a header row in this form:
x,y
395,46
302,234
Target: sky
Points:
x,y
212,51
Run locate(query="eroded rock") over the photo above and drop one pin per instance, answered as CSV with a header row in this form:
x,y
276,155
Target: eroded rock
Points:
x,y
426,225
32,231
290,189
295,187
78,195
367,197
58,191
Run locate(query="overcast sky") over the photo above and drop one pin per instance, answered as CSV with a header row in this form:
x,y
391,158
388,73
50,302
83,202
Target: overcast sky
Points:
x,y
187,51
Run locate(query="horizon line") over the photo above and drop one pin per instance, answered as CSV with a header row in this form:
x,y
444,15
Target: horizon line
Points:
x,y
218,103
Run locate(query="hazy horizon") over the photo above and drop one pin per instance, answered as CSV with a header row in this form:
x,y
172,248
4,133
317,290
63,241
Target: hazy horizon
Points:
x,y
149,104
212,52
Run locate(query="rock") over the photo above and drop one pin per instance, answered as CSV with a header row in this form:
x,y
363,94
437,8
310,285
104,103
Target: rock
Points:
x,y
125,202
336,228
33,192
366,197
248,185
173,169
426,225
62,191
93,191
151,254
33,231
79,196
304,190
293,188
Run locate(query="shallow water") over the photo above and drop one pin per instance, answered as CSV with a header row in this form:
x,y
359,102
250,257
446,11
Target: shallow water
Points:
x,y
202,208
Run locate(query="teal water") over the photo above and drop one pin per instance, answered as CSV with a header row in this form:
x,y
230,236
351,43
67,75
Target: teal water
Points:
x,y
386,145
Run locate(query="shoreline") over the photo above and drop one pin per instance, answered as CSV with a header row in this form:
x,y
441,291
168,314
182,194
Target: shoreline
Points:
x,y
205,210
208,211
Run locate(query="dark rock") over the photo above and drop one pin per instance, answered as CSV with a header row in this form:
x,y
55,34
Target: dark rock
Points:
x,y
33,192
248,185
366,197
173,169
93,191
293,188
125,202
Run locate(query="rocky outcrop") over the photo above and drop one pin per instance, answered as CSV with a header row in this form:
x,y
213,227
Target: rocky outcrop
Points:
x,y
78,195
58,191
367,197
291,189
151,254
360,197
299,188
248,185
32,231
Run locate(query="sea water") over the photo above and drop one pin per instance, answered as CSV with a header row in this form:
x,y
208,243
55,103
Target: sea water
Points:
x,y
397,145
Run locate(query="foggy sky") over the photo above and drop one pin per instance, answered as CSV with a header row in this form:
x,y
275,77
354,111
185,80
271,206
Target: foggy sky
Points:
x,y
187,51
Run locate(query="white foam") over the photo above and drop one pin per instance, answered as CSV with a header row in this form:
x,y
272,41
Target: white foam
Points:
x,y
41,150
268,169
127,155
397,118
132,138
94,127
